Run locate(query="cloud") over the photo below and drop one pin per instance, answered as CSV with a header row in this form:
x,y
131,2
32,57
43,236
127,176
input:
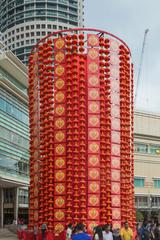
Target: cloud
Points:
x,y
128,20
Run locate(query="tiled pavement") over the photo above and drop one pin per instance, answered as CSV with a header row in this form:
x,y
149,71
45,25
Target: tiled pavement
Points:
x,y
5,234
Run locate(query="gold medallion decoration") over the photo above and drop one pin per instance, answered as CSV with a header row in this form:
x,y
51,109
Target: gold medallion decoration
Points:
x,y
93,80
36,142
94,173
116,214
59,57
115,201
36,167
115,162
94,147
116,225
114,85
94,134
59,201
35,191
93,40
36,216
93,213
60,188
114,60
59,110
59,227
115,98
93,67
93,200
93,107
59,136
114,72
60,149
59,43
94,187
59,175
92,53
115,187
36,203
59,96
94,120
59,70
114,45
59,215
115,122
115,149
59,83
94,160
35,154
59,162
115,175
115,111
115,137
93,94
35,179
59,123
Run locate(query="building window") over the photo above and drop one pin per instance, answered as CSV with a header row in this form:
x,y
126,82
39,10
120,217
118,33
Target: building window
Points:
x,y
8,195
23,196
32,40
141,148
37,33
12,31
60,27
32,34
54,27
17,30
157,183
27,41
38,26
154,149
27,34
43,25
49,26
141,201
17,37
17,44
27,27
32,26
138,182
43,33
22,43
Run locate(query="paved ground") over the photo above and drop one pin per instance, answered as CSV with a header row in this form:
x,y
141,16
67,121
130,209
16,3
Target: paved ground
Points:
x,y
5,234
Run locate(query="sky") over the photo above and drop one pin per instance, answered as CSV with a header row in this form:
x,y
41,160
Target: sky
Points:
x,y
128,20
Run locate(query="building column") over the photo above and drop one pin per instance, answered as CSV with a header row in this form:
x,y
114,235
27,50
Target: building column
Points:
x,y
1,207
15,203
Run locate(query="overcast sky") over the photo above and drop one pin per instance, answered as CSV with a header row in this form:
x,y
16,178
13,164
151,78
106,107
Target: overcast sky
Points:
x,y
128,19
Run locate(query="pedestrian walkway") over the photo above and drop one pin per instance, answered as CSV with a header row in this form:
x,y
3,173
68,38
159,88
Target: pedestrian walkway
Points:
x,y
5,234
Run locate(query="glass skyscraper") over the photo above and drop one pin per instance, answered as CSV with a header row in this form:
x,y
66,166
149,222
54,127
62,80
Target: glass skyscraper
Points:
x,y
14,138
25,22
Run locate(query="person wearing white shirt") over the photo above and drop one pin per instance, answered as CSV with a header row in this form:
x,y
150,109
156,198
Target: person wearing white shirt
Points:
x,y
107,235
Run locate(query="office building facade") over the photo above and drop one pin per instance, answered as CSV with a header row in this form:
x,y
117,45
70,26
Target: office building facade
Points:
x,y
25,22
147,164
14,138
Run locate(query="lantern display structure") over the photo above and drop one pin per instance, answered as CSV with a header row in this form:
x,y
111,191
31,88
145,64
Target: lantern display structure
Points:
x,y
81,130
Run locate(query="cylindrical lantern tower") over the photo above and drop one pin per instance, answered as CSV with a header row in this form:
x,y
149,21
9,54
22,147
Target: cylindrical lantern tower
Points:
x,y
81,130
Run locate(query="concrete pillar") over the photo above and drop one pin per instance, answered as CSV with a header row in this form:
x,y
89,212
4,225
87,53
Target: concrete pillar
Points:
x,y
15,203
1,207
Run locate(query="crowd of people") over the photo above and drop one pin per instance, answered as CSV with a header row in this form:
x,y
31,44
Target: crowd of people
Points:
x,y
104,232
148,230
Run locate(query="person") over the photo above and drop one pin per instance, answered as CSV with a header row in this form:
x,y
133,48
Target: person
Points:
x,y
98,235
80,234
144,231
157,231
126,232
107,234
116,234
69,232
44,228
35,232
